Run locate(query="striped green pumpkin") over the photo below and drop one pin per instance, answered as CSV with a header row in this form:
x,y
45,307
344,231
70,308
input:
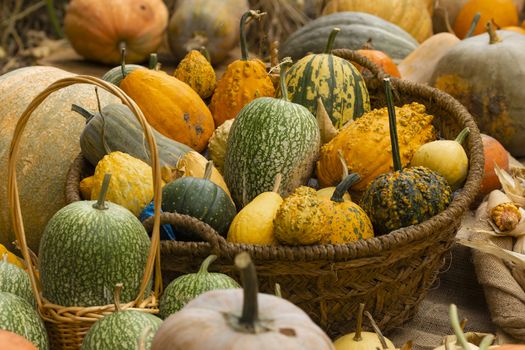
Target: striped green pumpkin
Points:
x,y
18,316
187,287
270,136
335,80
122,330
15,280
88,247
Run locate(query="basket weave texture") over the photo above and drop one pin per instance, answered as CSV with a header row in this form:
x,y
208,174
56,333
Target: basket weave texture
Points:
x,y
391,274
67,325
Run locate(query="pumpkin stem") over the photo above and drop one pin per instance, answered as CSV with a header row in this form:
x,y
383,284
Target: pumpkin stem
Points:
x,y
368,45
473,25
392,125
277,183
100,204
331,40
359,326
247,15
277,288
343,187
123,59
153,61
116,296
206,264
462,135
205,53
342,159
83,112
249,282
454,322
285,64
376,330
494,37
208,170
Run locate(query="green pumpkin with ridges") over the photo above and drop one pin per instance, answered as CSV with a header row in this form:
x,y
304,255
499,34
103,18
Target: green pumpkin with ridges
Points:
x,y
87,248
201,199
406,196
122,330
117,129
337,81
18,316
16,281
185,288
270,136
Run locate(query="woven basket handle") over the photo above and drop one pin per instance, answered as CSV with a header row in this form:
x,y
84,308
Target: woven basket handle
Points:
x,y
14,197
186,222
354,56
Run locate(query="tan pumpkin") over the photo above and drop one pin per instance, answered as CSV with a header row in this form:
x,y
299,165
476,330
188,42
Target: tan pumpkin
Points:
x,y
197,23
502,12
98,29
243,81
419,65
49,146
196,71
172,107
363,144
411,15
237,319
484,73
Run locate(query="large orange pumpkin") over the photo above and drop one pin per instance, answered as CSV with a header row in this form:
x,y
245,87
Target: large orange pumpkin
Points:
x,y
503,12
172,107
97,29
49,146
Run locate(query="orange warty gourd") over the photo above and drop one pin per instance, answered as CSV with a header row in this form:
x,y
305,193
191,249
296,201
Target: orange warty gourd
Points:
x,y
503,12
98,29
172,107
196,71
243,81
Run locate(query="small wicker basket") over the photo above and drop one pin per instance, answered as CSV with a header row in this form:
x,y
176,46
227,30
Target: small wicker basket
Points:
x,y
391,274
67,326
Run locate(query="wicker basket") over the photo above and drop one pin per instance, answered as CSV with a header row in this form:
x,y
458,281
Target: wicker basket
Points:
x,y
390,274
67,326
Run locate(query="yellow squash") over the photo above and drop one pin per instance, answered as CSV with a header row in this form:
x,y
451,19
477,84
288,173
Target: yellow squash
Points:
x,y
254,223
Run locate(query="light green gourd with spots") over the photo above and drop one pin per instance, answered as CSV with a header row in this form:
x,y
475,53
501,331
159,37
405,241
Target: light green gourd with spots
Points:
x,y
18,316
337,81
270,136
87,248
16,281
122,330
187,287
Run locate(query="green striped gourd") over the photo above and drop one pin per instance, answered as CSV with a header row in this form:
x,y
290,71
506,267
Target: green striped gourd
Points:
x,y
122,330
18,316
115,128
87,248
15,280
200,198
187,287
335,80
270,136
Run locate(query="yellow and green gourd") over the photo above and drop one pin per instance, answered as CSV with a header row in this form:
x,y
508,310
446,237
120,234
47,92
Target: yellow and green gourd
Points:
x,y
196,71
407,196
254,223
335,80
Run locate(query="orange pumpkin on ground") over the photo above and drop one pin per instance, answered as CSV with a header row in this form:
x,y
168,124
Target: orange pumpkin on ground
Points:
x,y
503,12
98,29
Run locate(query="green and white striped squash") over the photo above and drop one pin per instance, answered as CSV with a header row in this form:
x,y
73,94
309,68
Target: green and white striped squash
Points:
x,y
122,330
18,316
270,136
337,81
15,280
200,198
187,287
87,248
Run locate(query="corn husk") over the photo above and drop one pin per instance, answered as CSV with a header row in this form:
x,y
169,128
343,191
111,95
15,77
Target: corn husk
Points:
x,y
513,185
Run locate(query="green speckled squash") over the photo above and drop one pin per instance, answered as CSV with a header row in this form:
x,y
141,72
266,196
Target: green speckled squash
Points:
x,y
122,330
15,280
18,316
187,287
270,136
337,81
406,196
200,198
117,129
89,246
